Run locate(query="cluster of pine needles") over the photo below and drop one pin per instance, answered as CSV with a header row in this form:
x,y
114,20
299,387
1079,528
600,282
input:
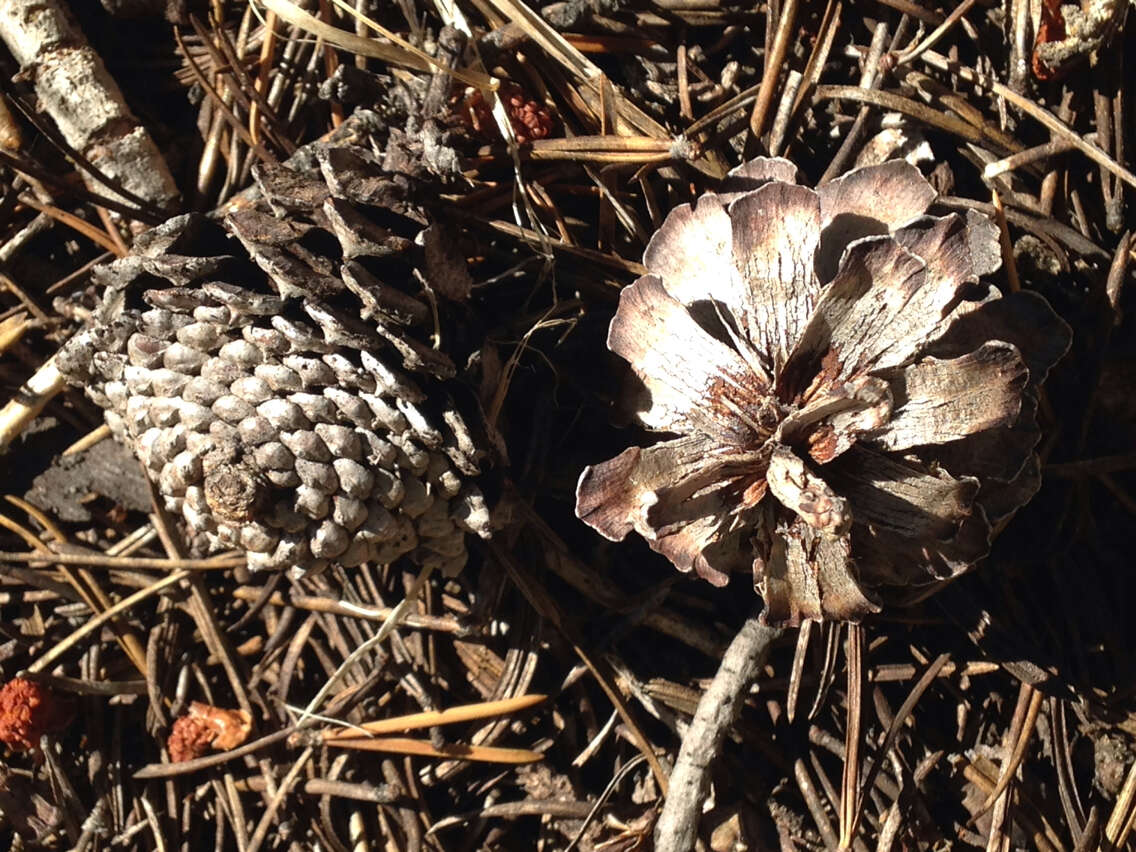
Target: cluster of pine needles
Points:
x,y
538,700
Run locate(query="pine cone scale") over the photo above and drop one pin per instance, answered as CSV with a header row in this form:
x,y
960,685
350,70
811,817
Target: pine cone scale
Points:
x,y
280,407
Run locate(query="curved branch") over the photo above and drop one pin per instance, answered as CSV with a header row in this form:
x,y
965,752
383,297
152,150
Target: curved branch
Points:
x,y
719,706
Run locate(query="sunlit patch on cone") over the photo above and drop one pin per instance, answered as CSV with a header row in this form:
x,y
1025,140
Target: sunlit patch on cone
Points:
x,y
854,407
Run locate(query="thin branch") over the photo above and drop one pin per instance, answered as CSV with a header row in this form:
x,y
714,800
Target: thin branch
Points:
x,y
720,705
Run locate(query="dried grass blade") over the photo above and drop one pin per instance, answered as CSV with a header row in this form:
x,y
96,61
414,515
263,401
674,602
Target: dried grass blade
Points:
x,y
111,231
248,90
540,600
394,55
850,777
399,42
1001,815
452,715
266,819
807,787
897,103
148,209
606,144
535,238
937,34
219,104
1091,835
737,102
106,688
314,603
221,562
1063,764
1042,115
96,622
384,631
80,226
552,152
60,182
265,62
203,612
818,58
1028,816
896,726
83,583
573,61
831,636
95,436
1013,281
37,513
936,92
806,631
23,532
774,62
169,770
400,53
1027,157
27,302
869,79
405,745
1021,742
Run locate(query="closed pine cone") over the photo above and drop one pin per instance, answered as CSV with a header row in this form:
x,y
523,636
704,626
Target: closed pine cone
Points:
x,y
285,398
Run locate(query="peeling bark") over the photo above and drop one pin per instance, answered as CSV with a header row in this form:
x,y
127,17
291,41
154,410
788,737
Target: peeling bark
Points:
x,y
75,89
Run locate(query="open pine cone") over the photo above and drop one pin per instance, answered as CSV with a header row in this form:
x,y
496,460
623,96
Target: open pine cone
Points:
x,y
274,372
854,407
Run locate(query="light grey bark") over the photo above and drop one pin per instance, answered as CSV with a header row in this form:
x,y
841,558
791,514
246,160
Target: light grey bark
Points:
x,y
719,706
75,89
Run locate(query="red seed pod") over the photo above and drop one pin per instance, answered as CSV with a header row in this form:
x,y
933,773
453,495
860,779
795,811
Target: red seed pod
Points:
x,y
530,119
203,726
28,710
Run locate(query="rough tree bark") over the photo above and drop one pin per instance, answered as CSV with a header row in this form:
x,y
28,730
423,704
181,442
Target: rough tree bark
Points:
x,y
75,89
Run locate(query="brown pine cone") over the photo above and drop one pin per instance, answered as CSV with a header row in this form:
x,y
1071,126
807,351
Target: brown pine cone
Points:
x,y
274,372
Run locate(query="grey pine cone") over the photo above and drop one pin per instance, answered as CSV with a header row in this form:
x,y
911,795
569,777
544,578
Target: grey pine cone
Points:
x,y
273,372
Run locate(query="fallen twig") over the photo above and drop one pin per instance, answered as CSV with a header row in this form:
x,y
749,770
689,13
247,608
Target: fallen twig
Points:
x,y
720,705
86,104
